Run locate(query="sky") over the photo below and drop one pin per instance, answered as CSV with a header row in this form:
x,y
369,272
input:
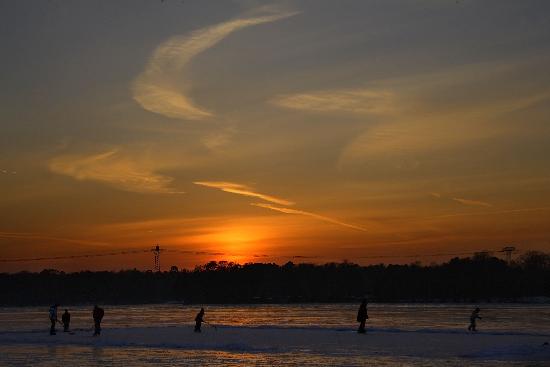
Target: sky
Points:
x,y
272,131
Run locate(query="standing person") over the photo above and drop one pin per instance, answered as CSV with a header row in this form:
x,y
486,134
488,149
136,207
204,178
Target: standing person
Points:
x,y
473,318
98,316
362,316
53,318
199,319
66,320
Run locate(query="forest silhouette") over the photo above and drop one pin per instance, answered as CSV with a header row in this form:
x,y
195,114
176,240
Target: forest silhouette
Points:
x,y
480,278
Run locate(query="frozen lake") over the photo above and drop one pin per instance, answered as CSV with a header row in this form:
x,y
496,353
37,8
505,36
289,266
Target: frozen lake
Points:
x,y
291,335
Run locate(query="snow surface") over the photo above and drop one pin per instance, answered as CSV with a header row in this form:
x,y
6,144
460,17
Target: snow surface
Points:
x,y
271,339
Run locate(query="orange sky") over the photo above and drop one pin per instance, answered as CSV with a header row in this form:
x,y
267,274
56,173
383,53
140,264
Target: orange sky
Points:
x,y
273,132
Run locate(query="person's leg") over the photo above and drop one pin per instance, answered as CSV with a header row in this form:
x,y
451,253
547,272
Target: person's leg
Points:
x,y
361,327
52,327
96,327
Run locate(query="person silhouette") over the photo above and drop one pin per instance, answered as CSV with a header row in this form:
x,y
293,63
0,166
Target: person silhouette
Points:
x,y
53,318
97,314
362,316
66,320
473,318
199,319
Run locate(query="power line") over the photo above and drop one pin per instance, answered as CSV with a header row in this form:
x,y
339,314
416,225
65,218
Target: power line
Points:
x,y
67,257
112,253
427,255
191,252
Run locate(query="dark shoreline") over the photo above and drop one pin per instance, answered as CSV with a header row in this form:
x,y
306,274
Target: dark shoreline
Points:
x,y
461,280
480,303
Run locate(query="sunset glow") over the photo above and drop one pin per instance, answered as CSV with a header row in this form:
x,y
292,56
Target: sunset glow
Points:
x,y
272,132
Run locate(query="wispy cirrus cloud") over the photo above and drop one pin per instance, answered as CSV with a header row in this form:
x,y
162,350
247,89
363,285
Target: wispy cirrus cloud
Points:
x,y
472,202
113,169
355,101
308,214
239,189
157,89
217,140
425,117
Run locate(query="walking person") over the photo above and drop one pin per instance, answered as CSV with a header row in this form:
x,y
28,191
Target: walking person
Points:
x,y
98,316
53,318
199,319
66,320
473,318
362,317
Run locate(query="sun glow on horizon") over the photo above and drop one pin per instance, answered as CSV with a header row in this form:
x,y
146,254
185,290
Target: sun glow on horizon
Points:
x,y
233,242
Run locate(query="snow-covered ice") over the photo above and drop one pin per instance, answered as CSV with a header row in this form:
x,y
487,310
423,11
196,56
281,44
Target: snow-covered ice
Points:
x,y
323,341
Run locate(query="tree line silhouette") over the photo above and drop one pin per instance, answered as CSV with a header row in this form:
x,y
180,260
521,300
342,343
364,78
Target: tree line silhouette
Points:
x,y
480,278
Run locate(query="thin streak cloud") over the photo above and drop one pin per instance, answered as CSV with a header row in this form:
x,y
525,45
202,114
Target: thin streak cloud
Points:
x,y
308,214
235,188
495,212
472,202
157,89
115,170
463,201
